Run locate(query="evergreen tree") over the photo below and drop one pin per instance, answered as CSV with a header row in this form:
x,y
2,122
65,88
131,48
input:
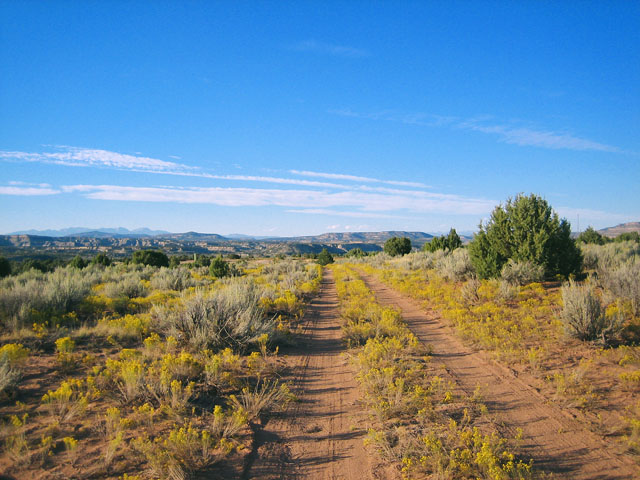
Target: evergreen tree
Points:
x,y
219,268
396,246
5,267
153,258
101,259
77,262
526,229
324,257
591,236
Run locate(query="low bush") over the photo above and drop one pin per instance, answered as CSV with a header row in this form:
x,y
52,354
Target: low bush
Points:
x,y
584,317
229,317
521,273
623,282
455,266
177,279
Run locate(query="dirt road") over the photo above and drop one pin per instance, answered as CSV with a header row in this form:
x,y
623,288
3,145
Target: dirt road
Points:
x,y
321,436
556,442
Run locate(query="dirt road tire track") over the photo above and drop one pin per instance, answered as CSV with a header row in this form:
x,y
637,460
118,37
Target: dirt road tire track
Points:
x,y
320,436
555,441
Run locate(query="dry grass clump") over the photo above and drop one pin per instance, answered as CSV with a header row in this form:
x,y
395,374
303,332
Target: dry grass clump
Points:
x,y
584,317
12,358
521,273
177,279
623,281
229,317
34,297
455,266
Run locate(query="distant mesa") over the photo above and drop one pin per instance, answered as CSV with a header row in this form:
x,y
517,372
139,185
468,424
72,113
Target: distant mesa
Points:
x,y
622,228
91,232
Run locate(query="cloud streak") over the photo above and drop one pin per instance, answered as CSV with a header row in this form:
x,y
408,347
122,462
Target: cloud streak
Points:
x,y
323,48
514,135
354,178
88,157
27,191
338,213
305,201
538,138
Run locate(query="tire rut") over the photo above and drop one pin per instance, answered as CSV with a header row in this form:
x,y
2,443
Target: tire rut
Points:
x,y
557,443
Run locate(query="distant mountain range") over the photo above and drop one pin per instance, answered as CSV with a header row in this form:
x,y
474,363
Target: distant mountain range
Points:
x,y
417,238
121,242
91,232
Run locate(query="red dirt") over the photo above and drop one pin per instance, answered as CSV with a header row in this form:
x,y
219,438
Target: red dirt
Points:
x,y
550,436
320,436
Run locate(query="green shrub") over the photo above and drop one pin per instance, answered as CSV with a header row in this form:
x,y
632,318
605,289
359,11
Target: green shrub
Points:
x,y
77,262
525,229
396,246
101,259
449,242
591,236
324,257
153,258
219,268
5,267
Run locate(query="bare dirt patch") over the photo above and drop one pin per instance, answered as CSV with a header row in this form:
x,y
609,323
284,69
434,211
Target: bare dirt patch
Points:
x,y
550,436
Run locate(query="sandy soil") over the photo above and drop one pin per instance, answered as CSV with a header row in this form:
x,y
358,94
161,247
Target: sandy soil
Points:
x,y
550,436
320,436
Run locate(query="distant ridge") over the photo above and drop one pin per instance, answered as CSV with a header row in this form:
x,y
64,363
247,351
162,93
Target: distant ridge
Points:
x,y
90,232
622,228
417,238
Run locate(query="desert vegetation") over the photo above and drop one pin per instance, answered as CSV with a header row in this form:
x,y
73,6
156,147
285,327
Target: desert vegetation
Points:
x,y
168,367
139,370
575,341
421,421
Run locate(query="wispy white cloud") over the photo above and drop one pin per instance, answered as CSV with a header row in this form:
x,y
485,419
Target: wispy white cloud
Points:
x,y
84,157
284,181
367,204
512,134
324,48
42,185
524,136
355,178
590,217
27,191
90,157
339,213
420,119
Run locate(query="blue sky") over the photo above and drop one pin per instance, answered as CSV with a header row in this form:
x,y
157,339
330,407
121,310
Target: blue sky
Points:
x,y
289,118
